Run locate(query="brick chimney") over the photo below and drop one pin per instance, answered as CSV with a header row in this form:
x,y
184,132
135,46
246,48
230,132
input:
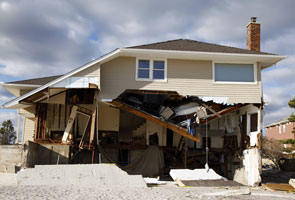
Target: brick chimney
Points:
x,y
253,35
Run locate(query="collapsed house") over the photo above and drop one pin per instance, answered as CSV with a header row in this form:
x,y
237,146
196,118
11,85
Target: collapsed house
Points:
x,y
152,108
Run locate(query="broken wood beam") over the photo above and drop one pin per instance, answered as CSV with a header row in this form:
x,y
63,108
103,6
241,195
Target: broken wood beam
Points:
x,y
93,118
209,108
178,146
223,112
59,115
139,113
70,124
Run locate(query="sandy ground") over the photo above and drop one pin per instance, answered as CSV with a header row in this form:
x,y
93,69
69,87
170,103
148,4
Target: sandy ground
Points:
x,y
113,193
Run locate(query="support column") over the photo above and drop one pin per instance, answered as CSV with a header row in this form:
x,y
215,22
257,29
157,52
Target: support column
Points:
x,y
23,131
18,126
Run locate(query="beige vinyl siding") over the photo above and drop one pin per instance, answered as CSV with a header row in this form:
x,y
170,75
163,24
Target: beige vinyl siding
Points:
x,y
188,77
91,71
28,129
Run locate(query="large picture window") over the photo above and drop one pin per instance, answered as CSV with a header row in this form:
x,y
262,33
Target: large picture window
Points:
x,y
225,72
151,70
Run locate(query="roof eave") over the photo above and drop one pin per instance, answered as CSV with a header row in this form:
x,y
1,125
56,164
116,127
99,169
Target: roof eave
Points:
x,y
268,60
105,57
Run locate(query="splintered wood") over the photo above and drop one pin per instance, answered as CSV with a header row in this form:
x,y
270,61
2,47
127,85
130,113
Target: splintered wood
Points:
x,y
70,124
175,128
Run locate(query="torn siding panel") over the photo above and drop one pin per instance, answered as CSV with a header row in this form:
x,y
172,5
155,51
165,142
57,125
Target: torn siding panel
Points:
x,y
187,77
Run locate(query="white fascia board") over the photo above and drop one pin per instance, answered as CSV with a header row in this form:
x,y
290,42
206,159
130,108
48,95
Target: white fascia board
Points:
x,y
173,54
15,88
19,85
71,73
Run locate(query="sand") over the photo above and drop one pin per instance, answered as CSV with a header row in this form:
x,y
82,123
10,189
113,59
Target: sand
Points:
x,y
72,192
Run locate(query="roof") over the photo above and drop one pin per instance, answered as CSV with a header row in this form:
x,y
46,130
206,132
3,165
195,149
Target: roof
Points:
x,y
192,45
35,81
281,121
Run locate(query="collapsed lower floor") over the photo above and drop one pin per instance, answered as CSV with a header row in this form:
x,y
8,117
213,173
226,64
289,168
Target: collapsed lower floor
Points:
x,y
147,132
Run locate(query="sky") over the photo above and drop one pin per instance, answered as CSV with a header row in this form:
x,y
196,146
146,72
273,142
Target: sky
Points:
x,y
44,38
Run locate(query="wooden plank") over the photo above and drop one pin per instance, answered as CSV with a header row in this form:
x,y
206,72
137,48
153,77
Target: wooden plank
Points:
x,y
65,117
59,113
81,145
179,182
209,108
70,124
279,187
93,118
92,127
173,127
36,123
223,112
53,116
178,146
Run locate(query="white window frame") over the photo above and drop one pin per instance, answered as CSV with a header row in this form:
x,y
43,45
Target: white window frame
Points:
x,y
151,68
284,128
234,82
280,129
249,121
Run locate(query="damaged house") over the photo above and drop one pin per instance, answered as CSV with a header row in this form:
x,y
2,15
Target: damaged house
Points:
x,y
152,108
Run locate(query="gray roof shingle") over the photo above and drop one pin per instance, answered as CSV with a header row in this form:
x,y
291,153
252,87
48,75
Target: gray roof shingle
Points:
x,y
192,45
36,81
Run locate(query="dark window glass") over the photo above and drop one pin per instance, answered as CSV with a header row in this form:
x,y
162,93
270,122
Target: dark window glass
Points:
x,y
159,65
254,122
143,64
143,73
158,74
234,72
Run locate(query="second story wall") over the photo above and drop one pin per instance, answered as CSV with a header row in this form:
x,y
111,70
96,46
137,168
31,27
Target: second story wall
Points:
x,y
187,77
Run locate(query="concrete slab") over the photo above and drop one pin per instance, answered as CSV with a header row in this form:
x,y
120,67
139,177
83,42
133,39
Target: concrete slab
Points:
x,y
196,174
89,174
7,179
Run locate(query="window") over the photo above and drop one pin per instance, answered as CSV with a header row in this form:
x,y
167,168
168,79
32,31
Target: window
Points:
x,y
284,128
151,70
254,122
280,129
143,70
159,70
225,72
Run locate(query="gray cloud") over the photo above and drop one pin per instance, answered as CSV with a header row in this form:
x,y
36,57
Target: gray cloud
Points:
x,y
40,38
